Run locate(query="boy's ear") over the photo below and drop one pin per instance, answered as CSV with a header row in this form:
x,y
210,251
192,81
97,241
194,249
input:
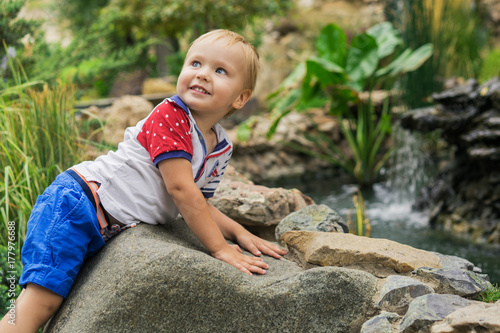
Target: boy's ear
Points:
x,y
242,99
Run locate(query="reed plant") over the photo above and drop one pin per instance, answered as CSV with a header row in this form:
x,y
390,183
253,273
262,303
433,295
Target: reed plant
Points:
x,y
363,225
39,138
454,28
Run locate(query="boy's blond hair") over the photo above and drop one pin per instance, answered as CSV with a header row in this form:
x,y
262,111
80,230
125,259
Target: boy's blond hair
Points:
x,y
251,55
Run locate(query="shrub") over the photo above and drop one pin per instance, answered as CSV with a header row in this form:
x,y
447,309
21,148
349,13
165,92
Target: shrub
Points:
x,y
39,138
12,31
490,67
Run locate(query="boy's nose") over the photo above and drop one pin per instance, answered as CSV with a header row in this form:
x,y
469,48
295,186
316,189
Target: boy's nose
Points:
x,y
201,75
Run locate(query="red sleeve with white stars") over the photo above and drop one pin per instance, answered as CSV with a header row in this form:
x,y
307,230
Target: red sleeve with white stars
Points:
x,y
165,134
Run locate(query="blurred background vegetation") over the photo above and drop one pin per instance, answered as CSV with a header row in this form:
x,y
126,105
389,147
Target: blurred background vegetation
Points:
x,y
108,37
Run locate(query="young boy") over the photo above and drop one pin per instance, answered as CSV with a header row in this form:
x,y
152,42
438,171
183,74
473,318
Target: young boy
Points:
x,y
170,162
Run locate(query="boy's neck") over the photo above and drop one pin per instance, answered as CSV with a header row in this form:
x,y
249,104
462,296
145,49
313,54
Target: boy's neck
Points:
x,y
205,124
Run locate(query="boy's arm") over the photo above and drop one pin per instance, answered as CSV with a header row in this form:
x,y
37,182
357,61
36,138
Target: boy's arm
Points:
x,y
178,177
236,232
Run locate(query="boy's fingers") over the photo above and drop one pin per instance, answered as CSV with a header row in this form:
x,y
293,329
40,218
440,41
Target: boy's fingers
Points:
x,y
273,251
252,267
254,250
258,268
237,248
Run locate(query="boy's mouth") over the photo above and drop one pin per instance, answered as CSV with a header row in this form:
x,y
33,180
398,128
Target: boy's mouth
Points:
x,y
199,89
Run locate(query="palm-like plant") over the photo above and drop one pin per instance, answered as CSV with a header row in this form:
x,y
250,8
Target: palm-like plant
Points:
x,y
335,77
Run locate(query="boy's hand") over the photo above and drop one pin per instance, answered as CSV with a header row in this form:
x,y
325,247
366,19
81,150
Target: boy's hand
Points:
x,y
257,245
233,256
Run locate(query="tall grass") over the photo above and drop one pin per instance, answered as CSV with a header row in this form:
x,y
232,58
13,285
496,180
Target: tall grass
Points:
x,y
454,28
39,138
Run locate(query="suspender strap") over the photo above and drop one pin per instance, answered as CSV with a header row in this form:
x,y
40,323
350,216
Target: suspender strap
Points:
x,y
90,188
85,186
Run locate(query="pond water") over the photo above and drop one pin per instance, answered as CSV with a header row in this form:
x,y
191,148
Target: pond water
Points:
x,y
392,217
389,208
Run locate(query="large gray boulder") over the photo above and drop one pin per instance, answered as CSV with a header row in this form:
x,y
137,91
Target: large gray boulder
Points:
x,y
161,279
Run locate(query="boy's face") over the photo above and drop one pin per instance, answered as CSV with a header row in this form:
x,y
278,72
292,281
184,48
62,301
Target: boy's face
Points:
x,y
212,78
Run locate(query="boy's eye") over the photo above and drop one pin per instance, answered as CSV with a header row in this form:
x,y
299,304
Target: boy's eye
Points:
x,y
196,64
221,71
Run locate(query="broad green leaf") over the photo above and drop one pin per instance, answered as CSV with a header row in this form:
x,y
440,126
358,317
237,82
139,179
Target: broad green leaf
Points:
x,y
310,88
332,44
362,59
387,38
275,122
392,67
325,71
285,103
408,61
327,65
295,76
418,57
314,102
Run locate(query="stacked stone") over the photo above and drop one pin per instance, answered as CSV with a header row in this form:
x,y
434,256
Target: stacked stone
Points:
x,y
465,196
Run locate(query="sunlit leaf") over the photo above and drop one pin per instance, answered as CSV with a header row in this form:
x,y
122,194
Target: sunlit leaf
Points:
x,y
332,44
362,59
387,38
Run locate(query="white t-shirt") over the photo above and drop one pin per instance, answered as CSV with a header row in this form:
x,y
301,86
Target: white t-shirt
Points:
x,y
132,189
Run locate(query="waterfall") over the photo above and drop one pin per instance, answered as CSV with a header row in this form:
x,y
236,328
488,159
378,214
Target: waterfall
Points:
x,y
410,166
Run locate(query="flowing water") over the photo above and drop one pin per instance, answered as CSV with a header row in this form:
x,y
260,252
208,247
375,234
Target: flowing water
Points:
x,y
389,207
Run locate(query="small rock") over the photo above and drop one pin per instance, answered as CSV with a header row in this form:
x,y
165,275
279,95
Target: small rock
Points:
x,y
158,85
312,218
398,292
380,324
454,262
479,317
125,111
426,310
458,282
255,205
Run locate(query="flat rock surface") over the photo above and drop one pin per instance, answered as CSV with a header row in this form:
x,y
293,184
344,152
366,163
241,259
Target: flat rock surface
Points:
x,y
347,250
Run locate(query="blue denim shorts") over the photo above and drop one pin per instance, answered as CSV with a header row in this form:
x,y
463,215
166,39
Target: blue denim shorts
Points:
x,y
62,231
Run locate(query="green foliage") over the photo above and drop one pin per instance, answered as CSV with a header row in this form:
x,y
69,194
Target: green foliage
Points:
x,y
490,67
335,77
39,138
10,271
111,36
490,295
12,31
167,18
454,28
244,129
80,14
92,59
